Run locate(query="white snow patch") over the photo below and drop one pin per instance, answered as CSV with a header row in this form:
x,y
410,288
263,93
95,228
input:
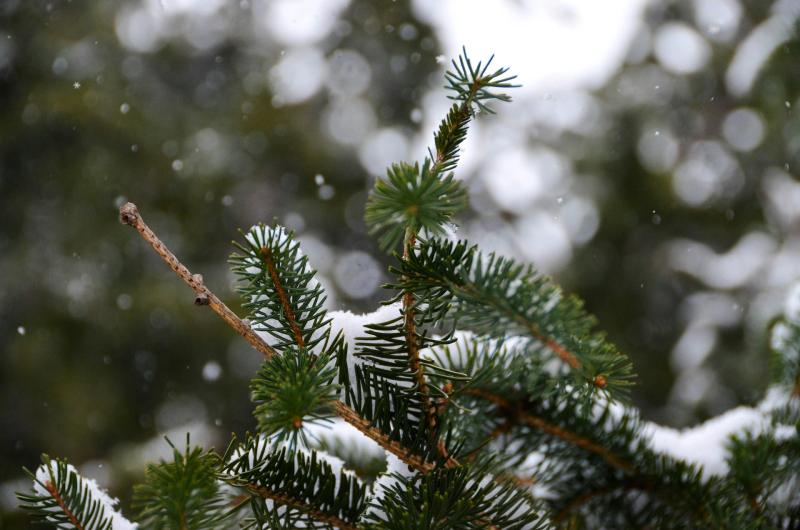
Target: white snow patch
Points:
x,y
266,444
341,433
706,444
394,466
352,326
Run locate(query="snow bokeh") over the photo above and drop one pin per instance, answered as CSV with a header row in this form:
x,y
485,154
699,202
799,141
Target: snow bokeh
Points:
x,y
531,194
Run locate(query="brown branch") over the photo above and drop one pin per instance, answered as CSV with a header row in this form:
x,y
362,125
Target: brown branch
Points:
x,y
410,327
301,506
430,408
51,488
396,448
549,342
565,356
129,215
266,254
554,430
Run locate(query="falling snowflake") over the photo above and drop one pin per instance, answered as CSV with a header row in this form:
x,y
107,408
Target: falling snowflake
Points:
x,y
76,85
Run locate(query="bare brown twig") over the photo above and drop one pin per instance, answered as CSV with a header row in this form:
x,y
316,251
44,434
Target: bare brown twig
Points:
x,y
129,215
410,327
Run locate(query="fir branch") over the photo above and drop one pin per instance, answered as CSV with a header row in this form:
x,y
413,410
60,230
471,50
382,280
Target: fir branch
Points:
x,y
184,493
388,382
672,487
497,297
53,491
410,326
300,480
291,388
412,198
366,428
462,498
516,414
280,289
304,507
583,445
129,215
64,499
266,253
472,86
383,415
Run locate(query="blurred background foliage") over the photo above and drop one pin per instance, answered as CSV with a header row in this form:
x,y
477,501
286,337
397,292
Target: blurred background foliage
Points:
x,y
649,163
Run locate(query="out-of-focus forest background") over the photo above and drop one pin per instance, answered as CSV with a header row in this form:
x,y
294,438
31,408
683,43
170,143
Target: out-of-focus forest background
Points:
x,y
649,163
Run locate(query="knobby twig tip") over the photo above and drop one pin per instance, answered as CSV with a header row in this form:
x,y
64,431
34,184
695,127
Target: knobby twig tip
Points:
x,y
128,214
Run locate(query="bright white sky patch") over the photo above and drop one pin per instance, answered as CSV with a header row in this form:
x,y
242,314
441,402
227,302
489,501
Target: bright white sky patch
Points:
x,y
552,45
297,22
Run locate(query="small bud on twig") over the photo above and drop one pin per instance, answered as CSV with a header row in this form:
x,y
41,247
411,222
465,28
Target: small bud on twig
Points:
x,y
202,296
128,213
600,381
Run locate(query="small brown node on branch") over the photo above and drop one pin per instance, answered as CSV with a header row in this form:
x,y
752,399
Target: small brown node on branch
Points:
x,y
297,422
600,381
202,296
201,299
128,214
447,388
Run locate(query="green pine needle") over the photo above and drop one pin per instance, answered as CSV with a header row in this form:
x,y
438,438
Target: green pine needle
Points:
x,y
182,494
299,480
468,497
291,389
64,499
498,297
412,198
475,84
280,289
